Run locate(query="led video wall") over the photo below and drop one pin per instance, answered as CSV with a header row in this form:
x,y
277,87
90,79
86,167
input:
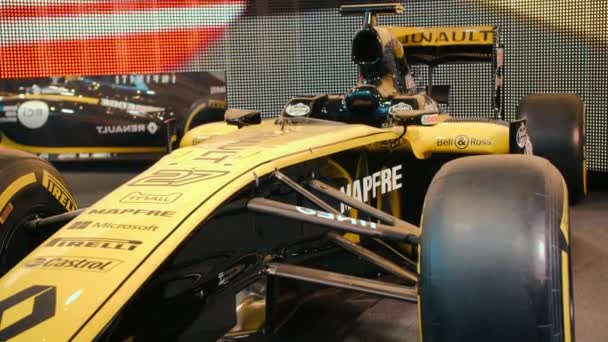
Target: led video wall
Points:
x,y
92,37
272,50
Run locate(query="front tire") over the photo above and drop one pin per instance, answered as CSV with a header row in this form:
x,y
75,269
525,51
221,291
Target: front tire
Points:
x,y
494,252
29,188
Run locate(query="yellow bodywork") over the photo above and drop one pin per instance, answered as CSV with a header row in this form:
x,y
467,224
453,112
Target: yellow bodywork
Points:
x,y
202,133
9,143
458,137
163,206
52,97
480,137
195,180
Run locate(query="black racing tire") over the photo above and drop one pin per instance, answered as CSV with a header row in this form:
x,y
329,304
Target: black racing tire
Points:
x,y
200,112
494,253
29,188
556,127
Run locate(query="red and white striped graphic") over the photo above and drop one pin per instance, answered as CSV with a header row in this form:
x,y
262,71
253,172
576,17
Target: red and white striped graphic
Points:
x,y
78,37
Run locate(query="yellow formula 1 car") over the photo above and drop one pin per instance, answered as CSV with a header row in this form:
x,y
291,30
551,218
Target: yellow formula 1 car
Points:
x,y
226,238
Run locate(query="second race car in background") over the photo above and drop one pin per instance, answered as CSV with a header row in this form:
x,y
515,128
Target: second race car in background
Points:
x,y
122,116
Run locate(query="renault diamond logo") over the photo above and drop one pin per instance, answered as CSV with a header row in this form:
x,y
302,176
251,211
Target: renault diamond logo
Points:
x,y
80,224
43,308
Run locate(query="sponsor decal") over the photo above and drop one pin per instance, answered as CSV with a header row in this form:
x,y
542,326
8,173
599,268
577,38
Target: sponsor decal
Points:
x,y
128,106
218,90
140,197
378,183
72,263
33,114
6,211
298,109
108,225
152,127
116,244
332,217
199,139
431,37
429,119
135,212
522,136
220,153
401,106
43,301
119,129
463,141
11,109
80,224
10,113
56,188
177,177
147,79
8,119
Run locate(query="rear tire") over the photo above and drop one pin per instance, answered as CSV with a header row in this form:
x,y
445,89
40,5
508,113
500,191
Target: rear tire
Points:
x,y
494,252
29,188
556,126
199,113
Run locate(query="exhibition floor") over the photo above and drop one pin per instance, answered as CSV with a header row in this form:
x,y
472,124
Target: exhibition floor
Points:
x,y
364,318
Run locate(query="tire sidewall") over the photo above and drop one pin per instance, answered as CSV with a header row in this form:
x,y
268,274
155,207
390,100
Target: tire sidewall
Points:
x,y
30,200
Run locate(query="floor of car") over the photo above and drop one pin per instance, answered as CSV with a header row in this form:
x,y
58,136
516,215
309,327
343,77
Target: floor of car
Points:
x,y
335,315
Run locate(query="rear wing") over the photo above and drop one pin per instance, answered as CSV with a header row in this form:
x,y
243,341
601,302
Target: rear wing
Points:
x,y
442,45
454,45
432,46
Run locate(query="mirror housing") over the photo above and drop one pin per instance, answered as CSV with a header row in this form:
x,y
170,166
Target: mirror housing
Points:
x,y
242,117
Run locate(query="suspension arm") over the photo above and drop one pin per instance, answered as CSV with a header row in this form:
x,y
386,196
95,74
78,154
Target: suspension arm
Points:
x,y
343,281
53,221
372,257
352,202
340,223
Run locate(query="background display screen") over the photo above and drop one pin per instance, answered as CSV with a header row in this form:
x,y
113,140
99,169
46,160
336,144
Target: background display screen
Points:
x,y
272,50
